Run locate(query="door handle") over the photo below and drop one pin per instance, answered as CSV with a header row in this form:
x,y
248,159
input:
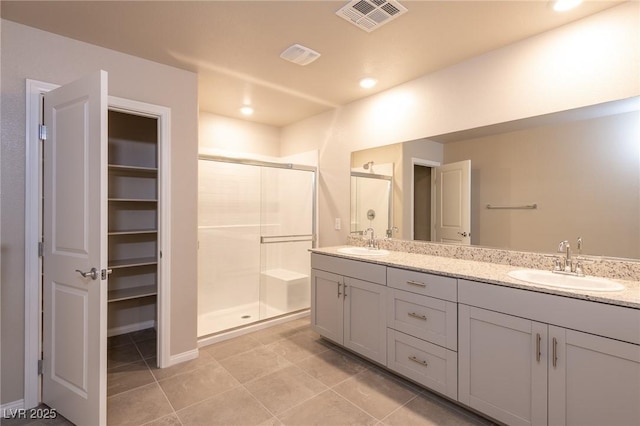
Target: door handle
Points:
x,y
93,273
339,294
554,355
538,342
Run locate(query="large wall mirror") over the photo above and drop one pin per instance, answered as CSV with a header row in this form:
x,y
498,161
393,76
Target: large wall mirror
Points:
x,y
533,182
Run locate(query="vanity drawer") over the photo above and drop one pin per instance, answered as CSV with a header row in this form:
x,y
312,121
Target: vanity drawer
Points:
x,y
361,270
426,284
424,317
432,366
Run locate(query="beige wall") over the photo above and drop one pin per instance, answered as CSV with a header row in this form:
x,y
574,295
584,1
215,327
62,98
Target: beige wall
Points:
x,y
232,135
584,176
590,61
34,54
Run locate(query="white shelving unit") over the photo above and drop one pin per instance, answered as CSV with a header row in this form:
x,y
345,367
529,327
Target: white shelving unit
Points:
x,y
133,222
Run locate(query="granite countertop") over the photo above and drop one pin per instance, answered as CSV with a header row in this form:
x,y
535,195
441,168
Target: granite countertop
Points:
x,y
490,273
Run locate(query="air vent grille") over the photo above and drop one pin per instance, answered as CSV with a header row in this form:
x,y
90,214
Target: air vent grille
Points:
x,y
299,54
371,14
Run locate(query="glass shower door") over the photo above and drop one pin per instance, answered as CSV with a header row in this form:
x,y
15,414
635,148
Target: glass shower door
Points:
x,y
228,245
287,234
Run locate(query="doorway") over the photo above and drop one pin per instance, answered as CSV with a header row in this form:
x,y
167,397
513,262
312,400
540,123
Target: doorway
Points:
x,y
421,202
35,332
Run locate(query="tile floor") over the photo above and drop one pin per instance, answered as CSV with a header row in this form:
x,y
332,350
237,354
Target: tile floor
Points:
x,y
284,375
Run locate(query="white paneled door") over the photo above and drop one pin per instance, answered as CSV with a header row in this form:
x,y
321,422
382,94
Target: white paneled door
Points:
x,y
453,203
75,230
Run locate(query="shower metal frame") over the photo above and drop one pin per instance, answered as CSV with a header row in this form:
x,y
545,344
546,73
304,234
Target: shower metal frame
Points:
x,y
389,180
290,166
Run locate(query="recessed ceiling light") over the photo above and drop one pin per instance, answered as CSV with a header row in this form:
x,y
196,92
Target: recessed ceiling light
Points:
x,y
564,5
246,110
368,83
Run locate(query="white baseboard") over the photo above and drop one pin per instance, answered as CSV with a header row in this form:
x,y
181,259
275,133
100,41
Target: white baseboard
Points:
x,y
11,410
220,337
183,357
129,328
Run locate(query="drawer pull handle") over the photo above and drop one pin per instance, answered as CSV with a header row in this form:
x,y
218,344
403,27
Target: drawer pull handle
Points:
x,y
414,315
416,360
416,283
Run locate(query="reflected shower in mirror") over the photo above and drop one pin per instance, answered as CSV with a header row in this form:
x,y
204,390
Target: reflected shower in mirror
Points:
x,y
580,168
371,198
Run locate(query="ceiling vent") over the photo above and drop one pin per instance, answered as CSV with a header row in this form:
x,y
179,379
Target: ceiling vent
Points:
x,y
371,14
299,54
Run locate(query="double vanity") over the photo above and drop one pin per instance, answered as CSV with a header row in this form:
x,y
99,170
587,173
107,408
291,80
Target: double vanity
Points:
x,y
519,352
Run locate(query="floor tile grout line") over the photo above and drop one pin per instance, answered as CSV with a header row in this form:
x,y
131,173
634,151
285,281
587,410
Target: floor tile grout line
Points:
x,y
263,375
400,407
444,403
173,409
302,402
259,402
186,407
355,405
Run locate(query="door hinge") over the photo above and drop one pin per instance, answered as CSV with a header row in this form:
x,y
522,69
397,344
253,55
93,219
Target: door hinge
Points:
x,y
40,366
42,132
40,249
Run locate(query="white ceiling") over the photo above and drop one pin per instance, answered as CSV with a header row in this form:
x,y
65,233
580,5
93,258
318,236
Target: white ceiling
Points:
x,y
234,46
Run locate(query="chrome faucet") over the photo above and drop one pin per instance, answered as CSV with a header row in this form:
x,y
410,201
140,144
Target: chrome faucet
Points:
x,y
371,242
566,264
562,248
391,230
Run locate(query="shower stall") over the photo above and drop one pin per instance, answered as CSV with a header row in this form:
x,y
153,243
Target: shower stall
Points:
x,y
256,224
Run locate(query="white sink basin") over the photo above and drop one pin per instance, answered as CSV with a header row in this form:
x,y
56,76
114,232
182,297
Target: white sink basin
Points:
x,y
550,279
363,251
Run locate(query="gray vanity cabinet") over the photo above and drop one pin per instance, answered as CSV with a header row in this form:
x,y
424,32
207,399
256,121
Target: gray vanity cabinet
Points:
x,y
502,372
527,358
422,335
348,304
595,380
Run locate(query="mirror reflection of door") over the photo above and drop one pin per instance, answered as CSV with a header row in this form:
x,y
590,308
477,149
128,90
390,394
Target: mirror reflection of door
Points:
x,y
442,203
452,183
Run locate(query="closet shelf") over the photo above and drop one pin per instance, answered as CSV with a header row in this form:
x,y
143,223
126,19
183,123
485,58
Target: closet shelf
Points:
x,y
133,232
131,293
130,263
133,169
132,200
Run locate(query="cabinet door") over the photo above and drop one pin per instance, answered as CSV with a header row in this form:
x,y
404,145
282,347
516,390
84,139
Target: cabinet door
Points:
x,y
365,319
592,380
502,366
327,304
